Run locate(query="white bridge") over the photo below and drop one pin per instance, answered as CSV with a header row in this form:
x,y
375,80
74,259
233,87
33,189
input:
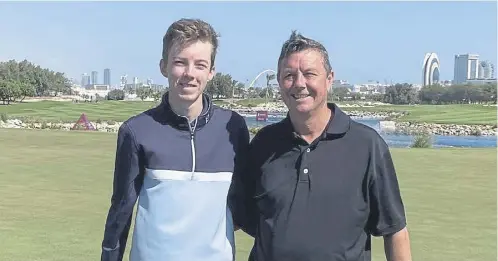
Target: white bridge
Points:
x,y
267,71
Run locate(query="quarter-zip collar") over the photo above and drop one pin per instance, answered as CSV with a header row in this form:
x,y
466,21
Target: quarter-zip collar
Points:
x,y
181,122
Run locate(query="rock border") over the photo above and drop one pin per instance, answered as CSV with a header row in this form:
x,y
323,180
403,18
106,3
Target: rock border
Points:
x,y
393,127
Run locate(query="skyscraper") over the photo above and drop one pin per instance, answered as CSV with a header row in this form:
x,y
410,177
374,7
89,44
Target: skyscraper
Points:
x,y
486,70
95,75
430,69
85,79
123,81
466,68
107,76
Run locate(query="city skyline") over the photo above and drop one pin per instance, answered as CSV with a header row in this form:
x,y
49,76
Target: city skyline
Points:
x,y
382,41
484,69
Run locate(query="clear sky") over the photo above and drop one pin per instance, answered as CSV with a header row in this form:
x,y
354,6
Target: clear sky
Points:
x,y
366,40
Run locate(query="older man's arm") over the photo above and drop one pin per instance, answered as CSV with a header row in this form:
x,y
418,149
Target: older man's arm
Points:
x,y
387,214
397,246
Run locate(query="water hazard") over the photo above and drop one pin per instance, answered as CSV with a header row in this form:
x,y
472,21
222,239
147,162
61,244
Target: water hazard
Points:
x,y
403,141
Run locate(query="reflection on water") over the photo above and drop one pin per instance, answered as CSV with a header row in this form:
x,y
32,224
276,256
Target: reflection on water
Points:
x,y
401,141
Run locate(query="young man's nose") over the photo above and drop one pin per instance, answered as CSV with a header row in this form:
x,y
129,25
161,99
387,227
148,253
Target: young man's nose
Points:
x,y
188,71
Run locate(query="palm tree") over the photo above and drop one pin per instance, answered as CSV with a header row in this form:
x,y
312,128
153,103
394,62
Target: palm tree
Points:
x,y
269,77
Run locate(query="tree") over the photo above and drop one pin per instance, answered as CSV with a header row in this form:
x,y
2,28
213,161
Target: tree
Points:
x,y
458,94
401,94
222,86
144,92
240,89
24,79
339,93
116,95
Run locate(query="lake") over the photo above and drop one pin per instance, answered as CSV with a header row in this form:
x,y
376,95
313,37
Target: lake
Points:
x,y
403,141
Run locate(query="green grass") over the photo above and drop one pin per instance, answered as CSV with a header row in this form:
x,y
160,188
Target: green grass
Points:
x,y
442,114
69,111
55,189
122,110
252,102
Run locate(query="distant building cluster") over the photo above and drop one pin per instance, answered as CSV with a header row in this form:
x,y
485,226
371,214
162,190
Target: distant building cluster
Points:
x,y
94,78
467,70
136,83
91,86
371,87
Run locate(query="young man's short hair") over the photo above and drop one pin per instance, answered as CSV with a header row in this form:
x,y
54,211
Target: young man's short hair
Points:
x,y
187,31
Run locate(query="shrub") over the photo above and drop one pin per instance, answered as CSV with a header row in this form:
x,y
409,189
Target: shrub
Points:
x,y
476,132
422,140
254,130
4,117
44,125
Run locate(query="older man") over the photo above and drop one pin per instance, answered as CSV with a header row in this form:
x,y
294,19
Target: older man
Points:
x,y
318,185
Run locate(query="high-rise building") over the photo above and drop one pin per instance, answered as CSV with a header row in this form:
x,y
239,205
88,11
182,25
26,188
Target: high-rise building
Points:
x,y
135,80
107,76
123,81
486,70
95,79
150,81
466,68
430,69
85,79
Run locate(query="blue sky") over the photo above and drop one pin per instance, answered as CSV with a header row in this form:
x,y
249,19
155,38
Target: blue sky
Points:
x,y
366,40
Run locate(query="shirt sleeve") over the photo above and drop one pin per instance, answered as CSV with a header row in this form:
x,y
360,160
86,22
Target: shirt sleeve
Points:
x,y
126,186
241,189
387,214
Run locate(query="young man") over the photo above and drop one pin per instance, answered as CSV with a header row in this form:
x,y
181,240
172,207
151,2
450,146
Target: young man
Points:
x,y
318,185
177,159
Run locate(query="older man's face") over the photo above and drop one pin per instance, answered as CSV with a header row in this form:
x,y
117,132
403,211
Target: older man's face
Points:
x,y
303,81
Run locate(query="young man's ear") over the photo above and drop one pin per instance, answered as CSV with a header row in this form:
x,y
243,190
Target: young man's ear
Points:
x,y
163,67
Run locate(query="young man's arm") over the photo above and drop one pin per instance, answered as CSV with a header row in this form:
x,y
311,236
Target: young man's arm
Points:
x,y
240,194
126,186
387,214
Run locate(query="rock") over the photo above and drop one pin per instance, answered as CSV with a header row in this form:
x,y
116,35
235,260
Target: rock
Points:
x,y
445,129
387,126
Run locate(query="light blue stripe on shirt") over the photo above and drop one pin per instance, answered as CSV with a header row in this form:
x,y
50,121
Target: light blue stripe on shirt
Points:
x,y
183,216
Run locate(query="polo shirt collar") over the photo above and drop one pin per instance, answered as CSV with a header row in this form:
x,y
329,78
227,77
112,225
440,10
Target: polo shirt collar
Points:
x,y
339,122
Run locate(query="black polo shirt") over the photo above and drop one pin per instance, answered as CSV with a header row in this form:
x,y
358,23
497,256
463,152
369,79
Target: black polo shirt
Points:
x,y
318,201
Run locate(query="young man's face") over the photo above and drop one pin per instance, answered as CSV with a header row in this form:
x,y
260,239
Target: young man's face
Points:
x,y
188,70
303,81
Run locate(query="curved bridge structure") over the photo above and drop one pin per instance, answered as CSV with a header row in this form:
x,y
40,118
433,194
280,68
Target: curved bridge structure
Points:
x,y
259,75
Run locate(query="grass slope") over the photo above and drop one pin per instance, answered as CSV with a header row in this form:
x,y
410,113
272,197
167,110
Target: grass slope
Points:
x,y
122,110
55,188
443,114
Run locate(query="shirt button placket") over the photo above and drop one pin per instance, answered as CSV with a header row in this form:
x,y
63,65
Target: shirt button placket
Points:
x,y
304,162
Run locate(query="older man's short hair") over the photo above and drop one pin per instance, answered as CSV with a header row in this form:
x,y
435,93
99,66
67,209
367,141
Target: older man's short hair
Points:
x,y
297,42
